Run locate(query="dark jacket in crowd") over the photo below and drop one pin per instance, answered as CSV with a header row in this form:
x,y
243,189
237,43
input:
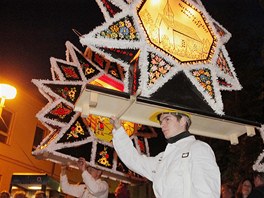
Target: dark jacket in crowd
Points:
x,y
257,192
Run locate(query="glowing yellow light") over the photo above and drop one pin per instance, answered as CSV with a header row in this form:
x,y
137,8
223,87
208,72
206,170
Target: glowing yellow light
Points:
x,y
192,11
108,83
179,29
34,187
7,91
155,2
101,83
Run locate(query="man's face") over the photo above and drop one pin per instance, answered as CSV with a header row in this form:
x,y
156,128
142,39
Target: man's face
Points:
x,y
170,125
257,181
246,187
226,192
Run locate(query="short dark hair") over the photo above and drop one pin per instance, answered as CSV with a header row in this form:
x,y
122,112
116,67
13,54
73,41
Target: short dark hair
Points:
x,y
258,174
20,194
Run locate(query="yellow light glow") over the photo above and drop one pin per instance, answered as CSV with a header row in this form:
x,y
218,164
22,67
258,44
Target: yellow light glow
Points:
x,y
178,28
109,83
101,83
34,187
7,91
155,2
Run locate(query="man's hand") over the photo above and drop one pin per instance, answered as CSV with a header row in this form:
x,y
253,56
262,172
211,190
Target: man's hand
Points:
x,y
82,164
115,122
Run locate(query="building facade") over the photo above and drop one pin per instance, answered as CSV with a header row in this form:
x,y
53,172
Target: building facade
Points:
x,y
20,133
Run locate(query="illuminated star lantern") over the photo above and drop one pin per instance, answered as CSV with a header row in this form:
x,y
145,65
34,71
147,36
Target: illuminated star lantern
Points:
x,y
162,38
71,135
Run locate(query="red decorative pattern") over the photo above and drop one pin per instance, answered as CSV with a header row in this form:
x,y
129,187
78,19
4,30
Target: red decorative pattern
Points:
x,y
222,82
223,65
61,111
110,7
70,72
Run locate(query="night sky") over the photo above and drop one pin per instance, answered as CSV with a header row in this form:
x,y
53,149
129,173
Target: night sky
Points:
x,y
33,31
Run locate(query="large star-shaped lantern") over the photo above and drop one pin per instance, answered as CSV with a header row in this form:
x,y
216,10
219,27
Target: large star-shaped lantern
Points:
x,y
141,45
160,38
72,136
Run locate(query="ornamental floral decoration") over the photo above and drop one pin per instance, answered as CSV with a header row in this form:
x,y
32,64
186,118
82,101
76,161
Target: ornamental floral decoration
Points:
x,y
141,45
104,156
101,127
72,136
166,37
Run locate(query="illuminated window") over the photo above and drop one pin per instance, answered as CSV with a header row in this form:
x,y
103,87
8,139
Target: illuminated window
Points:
x,y
39,135
178,28
5,125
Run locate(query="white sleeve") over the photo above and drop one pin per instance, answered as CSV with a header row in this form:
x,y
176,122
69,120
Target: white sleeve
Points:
x,y
95,187
71,189
126,151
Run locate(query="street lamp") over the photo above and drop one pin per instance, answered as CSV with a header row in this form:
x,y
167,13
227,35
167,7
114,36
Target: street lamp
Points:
x,y
6,92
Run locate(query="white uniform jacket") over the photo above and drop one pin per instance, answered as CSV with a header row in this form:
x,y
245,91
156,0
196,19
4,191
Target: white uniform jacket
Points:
x,y
92,188
171,174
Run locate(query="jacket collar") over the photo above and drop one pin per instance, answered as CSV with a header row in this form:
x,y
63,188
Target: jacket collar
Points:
x,y
178,137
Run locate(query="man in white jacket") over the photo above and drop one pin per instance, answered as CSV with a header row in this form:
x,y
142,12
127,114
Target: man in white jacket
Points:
x,y
186,169
93,186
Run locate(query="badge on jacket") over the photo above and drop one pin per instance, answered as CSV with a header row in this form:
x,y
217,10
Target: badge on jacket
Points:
x,y
184,155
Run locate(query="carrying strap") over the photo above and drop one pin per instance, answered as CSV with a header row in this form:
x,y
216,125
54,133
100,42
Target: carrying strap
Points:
x,y
186,156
